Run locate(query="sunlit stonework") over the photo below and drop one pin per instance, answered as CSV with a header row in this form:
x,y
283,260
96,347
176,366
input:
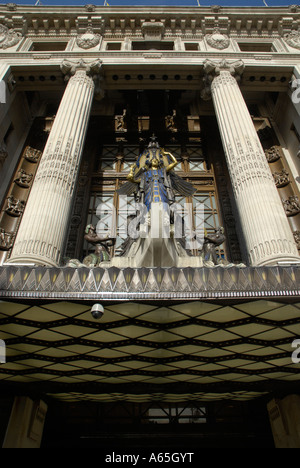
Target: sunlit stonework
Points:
x,y
88,40
8,37
149,227
293,39
217,40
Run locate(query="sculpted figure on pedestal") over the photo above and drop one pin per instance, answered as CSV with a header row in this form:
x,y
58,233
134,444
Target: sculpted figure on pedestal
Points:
x,y
102,244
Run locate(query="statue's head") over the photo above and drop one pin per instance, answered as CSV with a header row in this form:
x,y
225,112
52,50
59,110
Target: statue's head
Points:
x,y
155,162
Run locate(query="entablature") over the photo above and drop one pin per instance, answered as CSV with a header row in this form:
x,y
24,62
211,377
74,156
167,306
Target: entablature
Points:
x,y
210,28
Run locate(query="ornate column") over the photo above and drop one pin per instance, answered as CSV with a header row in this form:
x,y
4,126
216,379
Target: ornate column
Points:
x,y
44,225
265,227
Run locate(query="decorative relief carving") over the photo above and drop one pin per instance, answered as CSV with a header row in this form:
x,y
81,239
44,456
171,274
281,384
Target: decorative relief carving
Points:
x,y
69,68
153,30
291,205
273,154
32,155
170,122
120,122
15,207
8,37
297,238
24,180
293,39
88,40
90,7
281,178
217,40
11,6
213,69
6,239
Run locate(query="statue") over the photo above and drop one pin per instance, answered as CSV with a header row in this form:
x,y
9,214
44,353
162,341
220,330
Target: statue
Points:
x,y
125,247
154,184
152,179
159,233
211,242
101,253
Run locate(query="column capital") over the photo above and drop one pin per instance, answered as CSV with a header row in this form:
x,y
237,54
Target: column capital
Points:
x,y
212,69
235,68
92,69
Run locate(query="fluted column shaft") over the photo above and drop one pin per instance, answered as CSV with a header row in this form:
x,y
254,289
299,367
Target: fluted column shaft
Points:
x,y
44,225
265,227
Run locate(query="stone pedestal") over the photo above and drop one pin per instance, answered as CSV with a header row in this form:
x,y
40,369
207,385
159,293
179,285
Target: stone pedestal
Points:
x,y
44,225
268,236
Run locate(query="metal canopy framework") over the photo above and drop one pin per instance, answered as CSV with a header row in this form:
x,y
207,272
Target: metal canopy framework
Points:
x,y
233,340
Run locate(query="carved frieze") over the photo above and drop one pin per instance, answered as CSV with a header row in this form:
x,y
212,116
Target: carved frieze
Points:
x,y
293,39
88,40
6,239
281,178
15,207
297,238
217,40
8,37
291,205
32,155
24,180
273,154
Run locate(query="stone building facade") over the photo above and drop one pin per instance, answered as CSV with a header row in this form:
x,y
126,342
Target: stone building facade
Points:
x,y
84,91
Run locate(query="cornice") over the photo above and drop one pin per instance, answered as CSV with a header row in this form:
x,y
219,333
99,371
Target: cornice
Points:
x,y
125,20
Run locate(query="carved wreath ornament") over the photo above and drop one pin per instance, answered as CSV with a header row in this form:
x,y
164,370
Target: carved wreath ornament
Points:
x,y
88,40
217,40
8,37
293,39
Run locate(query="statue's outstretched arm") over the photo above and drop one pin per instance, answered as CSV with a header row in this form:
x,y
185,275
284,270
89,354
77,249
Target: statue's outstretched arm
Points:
x,y
173,164
131,175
